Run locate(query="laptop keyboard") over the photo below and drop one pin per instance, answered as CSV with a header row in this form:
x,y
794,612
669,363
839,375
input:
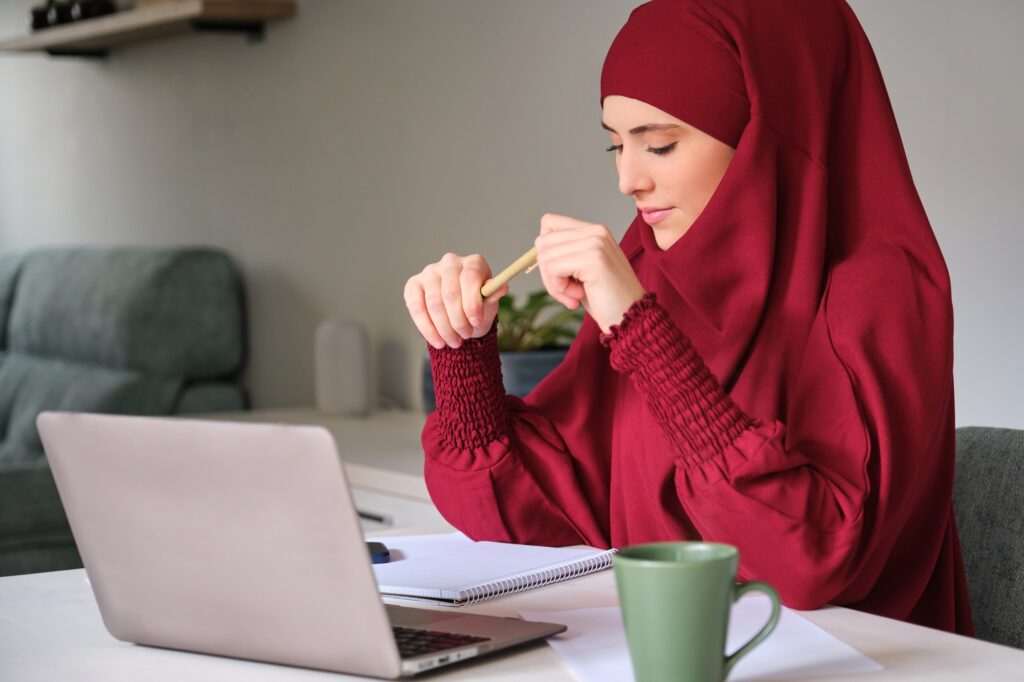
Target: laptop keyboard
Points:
x,y
413,642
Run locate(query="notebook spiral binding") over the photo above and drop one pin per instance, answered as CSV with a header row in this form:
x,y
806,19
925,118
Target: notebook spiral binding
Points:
x,y
528,581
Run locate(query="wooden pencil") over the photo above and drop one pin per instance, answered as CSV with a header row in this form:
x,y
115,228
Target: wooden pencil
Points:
x,y
526,262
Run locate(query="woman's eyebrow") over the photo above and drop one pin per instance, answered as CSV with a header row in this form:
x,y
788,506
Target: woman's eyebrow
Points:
x,y
648,128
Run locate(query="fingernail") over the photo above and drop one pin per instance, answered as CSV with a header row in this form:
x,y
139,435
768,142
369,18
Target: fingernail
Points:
x,y
475,321
438,345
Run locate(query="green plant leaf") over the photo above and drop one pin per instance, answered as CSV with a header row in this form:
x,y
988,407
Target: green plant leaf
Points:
x,y
518,327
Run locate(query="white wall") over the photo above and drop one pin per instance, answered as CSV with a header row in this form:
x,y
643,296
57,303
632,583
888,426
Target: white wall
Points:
x,y
365,138
955,73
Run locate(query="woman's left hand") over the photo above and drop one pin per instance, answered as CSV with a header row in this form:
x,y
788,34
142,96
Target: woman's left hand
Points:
x,y
581,264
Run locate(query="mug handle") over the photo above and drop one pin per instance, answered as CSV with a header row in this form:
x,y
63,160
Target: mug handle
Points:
x,y
773,620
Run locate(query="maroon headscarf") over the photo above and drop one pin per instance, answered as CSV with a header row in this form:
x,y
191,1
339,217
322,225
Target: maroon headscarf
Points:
x,y
812,283
814,290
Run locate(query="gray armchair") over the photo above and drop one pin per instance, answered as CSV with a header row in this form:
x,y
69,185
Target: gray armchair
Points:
x,y
128,331
988,499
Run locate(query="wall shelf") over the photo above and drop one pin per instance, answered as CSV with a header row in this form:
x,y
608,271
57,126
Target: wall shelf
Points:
x,y
96,37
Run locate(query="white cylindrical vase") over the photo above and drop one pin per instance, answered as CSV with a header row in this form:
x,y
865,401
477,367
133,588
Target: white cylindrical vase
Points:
x,y
342,366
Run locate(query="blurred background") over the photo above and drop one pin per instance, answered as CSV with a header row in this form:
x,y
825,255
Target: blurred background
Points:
x,y
362,139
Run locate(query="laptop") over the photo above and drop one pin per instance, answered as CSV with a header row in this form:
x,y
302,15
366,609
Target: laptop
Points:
x,y
241,540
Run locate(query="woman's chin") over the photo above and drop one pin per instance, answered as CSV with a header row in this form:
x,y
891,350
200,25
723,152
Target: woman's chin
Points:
x,y
668,232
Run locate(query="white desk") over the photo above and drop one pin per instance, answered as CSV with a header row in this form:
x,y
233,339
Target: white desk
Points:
x,y
50,630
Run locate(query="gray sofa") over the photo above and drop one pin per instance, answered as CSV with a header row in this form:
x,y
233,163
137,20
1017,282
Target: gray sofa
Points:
x,y
988,498
125,331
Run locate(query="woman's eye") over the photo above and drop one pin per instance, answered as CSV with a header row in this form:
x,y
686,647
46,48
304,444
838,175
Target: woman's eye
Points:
x,y
661,151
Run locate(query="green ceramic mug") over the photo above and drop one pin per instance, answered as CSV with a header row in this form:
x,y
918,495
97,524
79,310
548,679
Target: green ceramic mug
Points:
x,y
676,598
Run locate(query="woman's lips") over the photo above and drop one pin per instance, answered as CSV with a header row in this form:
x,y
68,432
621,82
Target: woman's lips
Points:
x,y
655,215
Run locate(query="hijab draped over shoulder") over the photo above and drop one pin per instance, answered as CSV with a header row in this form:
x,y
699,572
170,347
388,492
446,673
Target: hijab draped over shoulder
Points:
x,y
788,387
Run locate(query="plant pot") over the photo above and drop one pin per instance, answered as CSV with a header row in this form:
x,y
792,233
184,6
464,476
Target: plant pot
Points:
x,y
521,372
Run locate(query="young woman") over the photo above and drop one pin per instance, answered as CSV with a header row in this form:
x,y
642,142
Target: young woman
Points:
x,y
766,359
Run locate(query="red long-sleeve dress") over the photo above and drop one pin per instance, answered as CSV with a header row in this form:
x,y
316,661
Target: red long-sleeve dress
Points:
x,y
786,386
670,457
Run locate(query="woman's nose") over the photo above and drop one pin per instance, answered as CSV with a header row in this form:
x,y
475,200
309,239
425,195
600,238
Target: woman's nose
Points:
x,y
633,177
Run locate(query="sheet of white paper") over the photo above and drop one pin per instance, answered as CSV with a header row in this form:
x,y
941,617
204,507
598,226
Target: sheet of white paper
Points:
x,y
412,546
445,567
595,648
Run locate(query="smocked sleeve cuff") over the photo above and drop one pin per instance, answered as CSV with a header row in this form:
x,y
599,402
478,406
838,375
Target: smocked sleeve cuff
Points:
x,y
469,392
697,415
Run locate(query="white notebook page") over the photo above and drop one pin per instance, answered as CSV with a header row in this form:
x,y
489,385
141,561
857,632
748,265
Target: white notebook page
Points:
x,y
595,645
448,567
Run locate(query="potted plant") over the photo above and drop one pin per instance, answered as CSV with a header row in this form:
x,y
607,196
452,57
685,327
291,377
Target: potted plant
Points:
x,y
530,343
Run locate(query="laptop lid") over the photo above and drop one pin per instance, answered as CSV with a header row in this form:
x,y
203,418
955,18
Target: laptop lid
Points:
x,y
286,548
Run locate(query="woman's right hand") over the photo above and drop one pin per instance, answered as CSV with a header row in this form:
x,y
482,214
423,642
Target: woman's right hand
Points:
x,y
445,303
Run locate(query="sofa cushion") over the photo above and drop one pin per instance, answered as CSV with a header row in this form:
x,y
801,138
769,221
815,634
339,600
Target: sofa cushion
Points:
x,y
29,385
174,312
29,501
10,263
211,396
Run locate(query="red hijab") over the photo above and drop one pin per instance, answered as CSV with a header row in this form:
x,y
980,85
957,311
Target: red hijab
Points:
x,y
811,284
814,290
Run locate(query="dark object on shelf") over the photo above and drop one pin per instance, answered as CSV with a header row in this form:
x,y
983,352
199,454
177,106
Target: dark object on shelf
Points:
x,y
38,16
254,30
145,22
87,9
59,12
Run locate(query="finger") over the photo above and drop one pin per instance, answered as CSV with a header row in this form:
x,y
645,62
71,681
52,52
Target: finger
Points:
x,y
553,222
451,295
561,287
475,272
417,307
434,300
493,299
582,256
569,292
565,266
489,311
586,251
569,234
544,243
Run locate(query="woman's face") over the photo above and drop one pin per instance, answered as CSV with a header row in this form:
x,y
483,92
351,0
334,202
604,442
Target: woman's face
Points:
x,y
670,168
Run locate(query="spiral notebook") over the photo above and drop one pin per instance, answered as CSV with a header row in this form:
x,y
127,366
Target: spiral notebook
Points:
x,y
452,570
